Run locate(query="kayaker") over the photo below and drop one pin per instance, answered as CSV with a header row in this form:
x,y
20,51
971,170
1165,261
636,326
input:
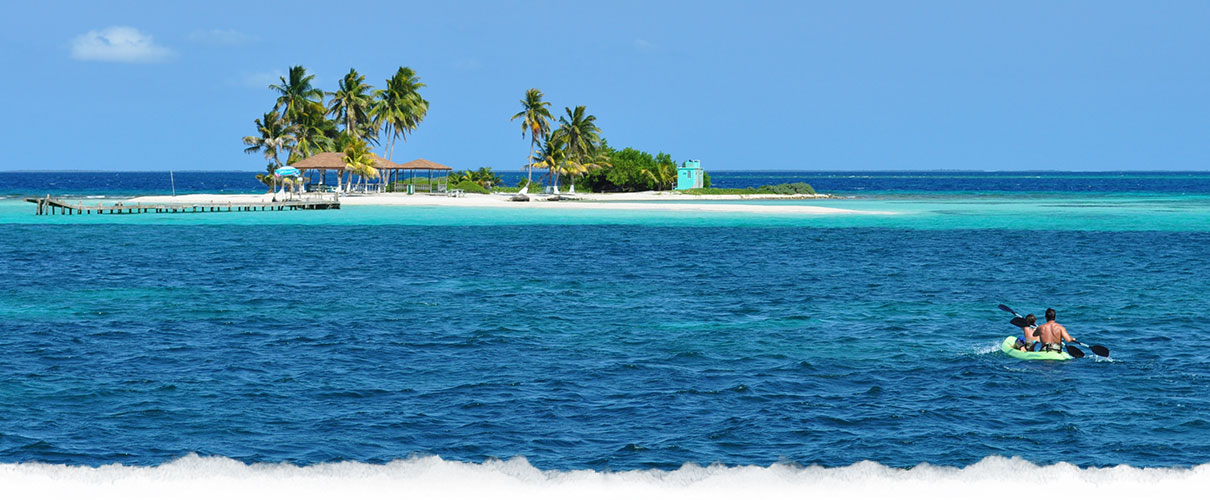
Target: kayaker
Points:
x,y
1028,340
1052,334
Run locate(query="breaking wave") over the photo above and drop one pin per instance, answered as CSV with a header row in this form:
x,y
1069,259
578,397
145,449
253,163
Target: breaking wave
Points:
x,y
432,477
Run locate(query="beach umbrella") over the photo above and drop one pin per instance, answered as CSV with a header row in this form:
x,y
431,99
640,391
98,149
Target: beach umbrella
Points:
x,y
286,172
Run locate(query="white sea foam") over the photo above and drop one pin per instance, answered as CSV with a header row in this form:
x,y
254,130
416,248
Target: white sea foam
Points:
x,y
208,478
987,348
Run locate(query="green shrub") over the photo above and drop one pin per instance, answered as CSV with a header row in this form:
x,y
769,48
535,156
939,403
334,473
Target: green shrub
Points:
x,y
718,191
470,187
795,188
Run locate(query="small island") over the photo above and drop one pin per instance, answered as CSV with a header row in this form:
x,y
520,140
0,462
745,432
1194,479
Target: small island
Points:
x,y
334,142
328,141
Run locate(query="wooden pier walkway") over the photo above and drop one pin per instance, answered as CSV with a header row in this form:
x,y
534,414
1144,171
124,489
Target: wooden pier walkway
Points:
x,y
49,206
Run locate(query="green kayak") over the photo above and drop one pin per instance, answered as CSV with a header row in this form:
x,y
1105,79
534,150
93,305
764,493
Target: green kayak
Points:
x,y
1007,347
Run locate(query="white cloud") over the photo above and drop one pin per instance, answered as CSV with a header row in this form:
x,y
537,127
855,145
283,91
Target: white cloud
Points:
x,y
119,44
221,37
469,64
644,45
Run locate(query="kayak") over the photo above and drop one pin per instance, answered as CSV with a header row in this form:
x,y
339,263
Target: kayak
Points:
x,y
1007,347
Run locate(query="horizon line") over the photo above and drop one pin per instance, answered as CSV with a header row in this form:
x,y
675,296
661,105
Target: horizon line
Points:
x,y
74,171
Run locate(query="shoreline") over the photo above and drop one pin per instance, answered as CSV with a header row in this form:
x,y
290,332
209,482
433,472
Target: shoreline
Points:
x,y
640,201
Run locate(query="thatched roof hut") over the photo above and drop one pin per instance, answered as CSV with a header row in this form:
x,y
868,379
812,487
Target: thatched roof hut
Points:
x,y
323,162
423,164
336,161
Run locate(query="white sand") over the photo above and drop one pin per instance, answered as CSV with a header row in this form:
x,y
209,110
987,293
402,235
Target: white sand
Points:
x,y
594,201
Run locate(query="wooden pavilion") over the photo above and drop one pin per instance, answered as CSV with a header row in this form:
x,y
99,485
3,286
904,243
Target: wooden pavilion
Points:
x,y
422,164
321,164
388,172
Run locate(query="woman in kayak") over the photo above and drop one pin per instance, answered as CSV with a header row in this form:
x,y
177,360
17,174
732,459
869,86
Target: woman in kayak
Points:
x,y
1028,341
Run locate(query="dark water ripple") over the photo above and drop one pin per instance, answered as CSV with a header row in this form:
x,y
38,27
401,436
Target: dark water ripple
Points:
x,y
604,347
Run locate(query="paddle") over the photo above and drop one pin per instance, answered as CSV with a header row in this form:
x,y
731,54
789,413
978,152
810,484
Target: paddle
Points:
x,y
1099,350
1074,351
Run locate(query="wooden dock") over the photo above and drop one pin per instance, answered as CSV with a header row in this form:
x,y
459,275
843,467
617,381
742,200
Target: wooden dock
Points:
x,y
50,206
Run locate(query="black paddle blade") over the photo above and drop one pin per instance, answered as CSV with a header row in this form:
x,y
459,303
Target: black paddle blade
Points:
x,y
1008,309
1074,351
1100,350
1019,322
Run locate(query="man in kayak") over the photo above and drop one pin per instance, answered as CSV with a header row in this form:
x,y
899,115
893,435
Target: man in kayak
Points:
x,y
1028,340
1052,334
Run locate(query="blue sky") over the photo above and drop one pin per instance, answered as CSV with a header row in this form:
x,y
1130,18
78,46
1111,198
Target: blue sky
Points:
x,y
869,85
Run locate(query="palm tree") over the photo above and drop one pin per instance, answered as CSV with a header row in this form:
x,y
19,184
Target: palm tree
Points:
x,y
315,134
399,107
268,179
359,160
598,159
662,175
580,132
535,120
552,156
483,177
352,105
486,178
301,106
297,95
581,136
275,135
294,184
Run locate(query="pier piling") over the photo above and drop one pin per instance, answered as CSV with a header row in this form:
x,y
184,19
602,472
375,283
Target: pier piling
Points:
x,y
47,205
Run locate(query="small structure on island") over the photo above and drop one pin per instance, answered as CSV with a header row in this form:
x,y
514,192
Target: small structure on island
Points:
x,y
690,175
391,176
439,183
320,164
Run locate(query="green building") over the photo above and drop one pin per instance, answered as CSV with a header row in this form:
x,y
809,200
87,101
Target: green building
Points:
x,y
689,175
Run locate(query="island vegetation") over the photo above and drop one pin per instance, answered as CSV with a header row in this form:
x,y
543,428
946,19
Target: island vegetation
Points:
x,y
570,149
782,189
354,118
576,153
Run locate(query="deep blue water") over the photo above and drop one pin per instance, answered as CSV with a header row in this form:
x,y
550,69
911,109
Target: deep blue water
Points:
x,y
583,345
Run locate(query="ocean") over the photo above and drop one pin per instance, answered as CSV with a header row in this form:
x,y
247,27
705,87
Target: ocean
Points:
x,y
836,182
594,347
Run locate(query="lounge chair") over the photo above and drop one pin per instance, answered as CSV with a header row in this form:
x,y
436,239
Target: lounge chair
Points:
x,y
522,195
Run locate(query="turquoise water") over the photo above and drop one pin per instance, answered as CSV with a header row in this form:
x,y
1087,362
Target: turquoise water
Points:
x,y
932,211
609,340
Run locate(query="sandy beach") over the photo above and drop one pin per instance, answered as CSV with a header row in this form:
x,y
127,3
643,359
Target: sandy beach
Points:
x,y
646,201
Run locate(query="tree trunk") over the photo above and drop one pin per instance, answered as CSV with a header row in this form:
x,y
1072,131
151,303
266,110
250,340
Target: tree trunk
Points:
x,y
391,145
530,165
